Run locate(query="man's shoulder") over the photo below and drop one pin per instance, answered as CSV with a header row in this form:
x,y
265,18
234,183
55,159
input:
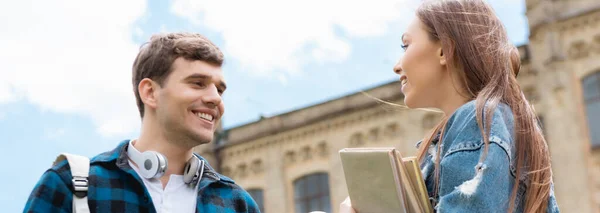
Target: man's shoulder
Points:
x,y
230,183
211,172
226,189
110,155
238,199
226,182
63,170
100,165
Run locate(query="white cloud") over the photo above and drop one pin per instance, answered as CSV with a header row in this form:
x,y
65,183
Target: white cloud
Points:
x,y
5,91
265,35
72,56
139,32
54,133
163,29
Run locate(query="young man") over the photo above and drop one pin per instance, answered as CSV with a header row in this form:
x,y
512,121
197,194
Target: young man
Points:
x,y
178,84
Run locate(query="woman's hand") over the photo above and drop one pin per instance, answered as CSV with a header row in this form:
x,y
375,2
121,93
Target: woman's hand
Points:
x,y
346,206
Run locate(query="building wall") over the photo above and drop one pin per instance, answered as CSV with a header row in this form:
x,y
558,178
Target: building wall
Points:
x,y
289,155
565,47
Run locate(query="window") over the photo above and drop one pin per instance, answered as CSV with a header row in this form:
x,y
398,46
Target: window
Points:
x,y
591,96
391,130
257,195
311,193
357,139
374,134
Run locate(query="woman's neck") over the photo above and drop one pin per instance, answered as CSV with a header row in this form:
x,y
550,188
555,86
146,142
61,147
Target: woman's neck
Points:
x,y
452,103
455,95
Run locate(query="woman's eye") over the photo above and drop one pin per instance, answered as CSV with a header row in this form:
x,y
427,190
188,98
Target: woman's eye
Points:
x,y
404,46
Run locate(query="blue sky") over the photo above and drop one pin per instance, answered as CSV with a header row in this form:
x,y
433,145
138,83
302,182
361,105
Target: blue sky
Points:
x,y
66,65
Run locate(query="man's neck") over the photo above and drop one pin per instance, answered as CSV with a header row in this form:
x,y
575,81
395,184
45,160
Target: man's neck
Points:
x,y
177,156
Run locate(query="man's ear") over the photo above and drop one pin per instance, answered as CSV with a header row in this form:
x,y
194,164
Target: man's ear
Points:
x,y
148,92
442,57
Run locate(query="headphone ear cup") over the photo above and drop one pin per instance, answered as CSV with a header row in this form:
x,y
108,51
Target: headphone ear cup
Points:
x,y
162,165
191,172
153,165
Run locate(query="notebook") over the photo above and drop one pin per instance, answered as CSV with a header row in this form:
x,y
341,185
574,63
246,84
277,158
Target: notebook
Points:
x,y
380,180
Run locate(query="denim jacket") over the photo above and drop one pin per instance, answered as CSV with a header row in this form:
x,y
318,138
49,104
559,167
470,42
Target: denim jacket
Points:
x,y
465,185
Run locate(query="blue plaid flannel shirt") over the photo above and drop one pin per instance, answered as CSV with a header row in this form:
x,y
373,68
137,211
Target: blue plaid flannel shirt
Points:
x,y
115,187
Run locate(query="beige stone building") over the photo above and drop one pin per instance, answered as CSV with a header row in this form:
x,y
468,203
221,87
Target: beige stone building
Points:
x,y
290,162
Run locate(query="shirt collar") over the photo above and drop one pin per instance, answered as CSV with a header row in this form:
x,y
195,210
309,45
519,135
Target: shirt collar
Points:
x,y
119,156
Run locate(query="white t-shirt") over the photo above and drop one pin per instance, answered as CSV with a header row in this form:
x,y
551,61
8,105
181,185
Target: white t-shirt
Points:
x,y
175,197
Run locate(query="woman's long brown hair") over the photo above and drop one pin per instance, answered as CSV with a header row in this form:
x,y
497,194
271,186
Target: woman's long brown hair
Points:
x,y
474,40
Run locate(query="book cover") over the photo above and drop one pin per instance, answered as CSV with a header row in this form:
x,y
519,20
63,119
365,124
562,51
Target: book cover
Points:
x,y
381,180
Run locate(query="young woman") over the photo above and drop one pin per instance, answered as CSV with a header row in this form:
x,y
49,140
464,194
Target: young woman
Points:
x,y
488,153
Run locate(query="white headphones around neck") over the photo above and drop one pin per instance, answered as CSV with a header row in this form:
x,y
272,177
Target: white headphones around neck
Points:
x,y
152,164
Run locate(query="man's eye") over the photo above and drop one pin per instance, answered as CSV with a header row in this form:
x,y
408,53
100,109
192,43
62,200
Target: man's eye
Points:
x,y
200,84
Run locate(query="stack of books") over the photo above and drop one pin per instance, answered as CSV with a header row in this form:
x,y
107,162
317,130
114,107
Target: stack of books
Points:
x,y
381,180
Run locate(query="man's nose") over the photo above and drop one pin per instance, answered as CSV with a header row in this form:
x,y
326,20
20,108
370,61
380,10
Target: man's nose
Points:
x,y
212,98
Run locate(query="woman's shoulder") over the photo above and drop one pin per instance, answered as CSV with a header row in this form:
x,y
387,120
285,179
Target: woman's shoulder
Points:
x,y
463,130
465,119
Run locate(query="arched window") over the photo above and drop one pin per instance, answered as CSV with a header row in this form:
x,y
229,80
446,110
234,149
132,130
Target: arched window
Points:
x,y
591,97
357,139
311,193
257,195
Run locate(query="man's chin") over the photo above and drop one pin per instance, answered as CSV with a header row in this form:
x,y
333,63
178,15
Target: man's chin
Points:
x,y
203,138
193,138
204,141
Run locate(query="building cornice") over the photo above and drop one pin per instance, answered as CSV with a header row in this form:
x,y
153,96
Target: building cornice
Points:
x,y
542,13
312,114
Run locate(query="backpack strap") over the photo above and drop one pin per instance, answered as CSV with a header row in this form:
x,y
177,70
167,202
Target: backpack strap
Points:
x,y
80,167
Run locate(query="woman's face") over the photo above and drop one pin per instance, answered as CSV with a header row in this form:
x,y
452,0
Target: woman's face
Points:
x,y
422,68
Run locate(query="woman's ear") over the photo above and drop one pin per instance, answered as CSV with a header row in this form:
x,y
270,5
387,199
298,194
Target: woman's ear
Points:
x,y
440,54
147,89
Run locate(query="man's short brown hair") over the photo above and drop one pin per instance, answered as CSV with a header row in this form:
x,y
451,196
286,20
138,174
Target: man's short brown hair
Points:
x,y
156,57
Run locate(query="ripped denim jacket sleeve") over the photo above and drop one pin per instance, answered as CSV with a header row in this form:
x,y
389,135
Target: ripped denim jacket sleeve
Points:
x,y
467,183
469,186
